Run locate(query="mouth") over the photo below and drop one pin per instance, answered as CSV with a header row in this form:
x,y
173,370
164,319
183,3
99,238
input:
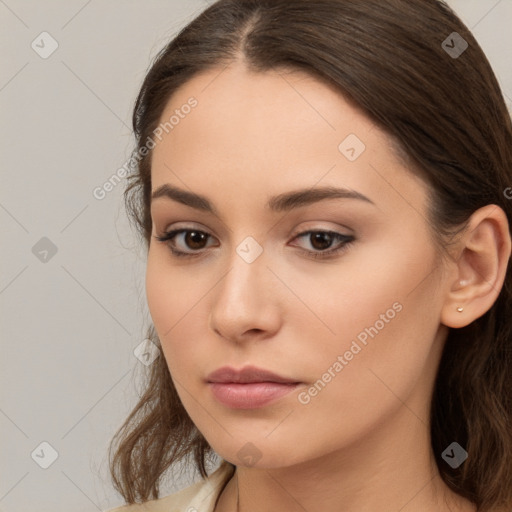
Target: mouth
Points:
x,y
249,396
249,387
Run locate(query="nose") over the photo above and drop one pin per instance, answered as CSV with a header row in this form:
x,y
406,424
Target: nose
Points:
x,y
245,302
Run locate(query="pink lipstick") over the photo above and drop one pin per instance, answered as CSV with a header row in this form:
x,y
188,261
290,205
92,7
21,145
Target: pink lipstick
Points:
x,y
249,387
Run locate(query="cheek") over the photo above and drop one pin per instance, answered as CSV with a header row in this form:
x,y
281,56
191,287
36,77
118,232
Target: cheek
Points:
x,y
352,294
159,287
175,302
377,311
384,318
170,292
388,374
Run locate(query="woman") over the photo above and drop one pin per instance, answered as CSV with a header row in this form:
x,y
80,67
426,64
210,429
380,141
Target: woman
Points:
x,y
323,188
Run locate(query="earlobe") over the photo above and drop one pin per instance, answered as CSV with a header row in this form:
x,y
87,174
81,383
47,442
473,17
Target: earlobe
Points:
x,y
478,274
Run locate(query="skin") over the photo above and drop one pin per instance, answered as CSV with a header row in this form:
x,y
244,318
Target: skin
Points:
x,y
362,443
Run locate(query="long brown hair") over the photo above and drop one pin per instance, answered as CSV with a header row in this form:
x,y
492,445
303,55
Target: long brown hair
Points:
x,y
450,122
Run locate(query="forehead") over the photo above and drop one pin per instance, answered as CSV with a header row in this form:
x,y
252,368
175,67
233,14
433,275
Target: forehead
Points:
x,y
239,108
265,132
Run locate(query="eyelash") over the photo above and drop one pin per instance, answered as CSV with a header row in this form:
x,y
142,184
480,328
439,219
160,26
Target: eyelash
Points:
x,y
329,253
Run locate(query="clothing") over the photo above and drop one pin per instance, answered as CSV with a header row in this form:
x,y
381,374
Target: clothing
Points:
x,y
199,497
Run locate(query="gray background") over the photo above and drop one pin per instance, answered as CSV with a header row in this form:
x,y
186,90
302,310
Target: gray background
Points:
x,y
70,321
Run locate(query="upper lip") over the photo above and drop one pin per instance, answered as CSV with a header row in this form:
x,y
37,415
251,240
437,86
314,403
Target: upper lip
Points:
x,y
247,374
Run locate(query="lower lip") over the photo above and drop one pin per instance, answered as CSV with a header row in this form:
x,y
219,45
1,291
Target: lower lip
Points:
x,y
249,396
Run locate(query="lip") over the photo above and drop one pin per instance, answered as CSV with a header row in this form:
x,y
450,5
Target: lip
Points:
x,y
246,375
249,387
249,396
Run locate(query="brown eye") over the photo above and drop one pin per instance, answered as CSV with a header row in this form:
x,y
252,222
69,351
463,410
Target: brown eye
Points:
x,y
195,239
321,240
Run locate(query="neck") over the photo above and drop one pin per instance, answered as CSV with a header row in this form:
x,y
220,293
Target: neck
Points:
x,y
391,469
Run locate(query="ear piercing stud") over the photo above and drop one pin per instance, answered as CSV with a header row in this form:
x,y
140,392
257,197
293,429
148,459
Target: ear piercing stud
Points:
x,y
462,282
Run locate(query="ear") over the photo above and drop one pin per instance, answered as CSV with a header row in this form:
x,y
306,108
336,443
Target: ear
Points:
x,y
479,270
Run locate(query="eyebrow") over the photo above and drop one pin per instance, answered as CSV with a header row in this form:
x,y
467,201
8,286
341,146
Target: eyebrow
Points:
x,y
280,203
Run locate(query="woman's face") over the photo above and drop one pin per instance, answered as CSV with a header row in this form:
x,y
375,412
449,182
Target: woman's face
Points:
x,y
359,329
